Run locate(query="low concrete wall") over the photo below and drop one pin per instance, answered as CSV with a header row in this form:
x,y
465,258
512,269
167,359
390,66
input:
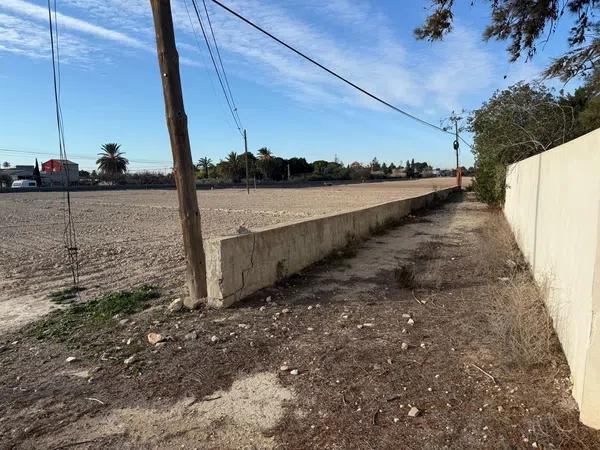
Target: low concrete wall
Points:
x,y
553,207
238,266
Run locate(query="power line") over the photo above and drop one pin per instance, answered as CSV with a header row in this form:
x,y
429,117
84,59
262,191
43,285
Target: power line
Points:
x,y
92,158
212,32
69,234
205,66
231,109
331,72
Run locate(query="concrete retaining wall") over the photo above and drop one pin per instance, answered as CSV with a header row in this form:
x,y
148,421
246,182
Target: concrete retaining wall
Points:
x,y
238,266
553,207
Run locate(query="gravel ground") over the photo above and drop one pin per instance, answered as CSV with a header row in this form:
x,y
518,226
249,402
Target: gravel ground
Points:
x,y
334,358
127,238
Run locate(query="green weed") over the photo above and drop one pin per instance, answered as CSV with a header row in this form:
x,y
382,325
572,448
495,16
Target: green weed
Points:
x,y
93,314
65,296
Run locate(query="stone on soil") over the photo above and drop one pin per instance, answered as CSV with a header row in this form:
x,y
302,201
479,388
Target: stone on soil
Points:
x,y
191,336
414,412
155,338
176,305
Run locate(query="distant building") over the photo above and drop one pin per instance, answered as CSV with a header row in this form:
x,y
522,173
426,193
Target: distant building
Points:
x,y
399,172
58,171
19,172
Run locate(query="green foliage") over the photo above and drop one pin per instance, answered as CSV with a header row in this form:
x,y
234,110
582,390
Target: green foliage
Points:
x,y
93,314
589,119
514,124
146,177
526,23
233,167
5,180
299,166
268,166
112,162
265,163
66,295
205,164
375,166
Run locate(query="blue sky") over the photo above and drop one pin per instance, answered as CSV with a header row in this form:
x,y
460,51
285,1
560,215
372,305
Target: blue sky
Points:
x,y
111,89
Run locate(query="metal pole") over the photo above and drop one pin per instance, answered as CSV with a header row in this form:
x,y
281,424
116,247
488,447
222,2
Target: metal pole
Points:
x,y
183,167
246,155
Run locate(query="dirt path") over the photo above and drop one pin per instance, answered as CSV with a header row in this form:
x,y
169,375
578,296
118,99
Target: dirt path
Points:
x,y
226,378
132,237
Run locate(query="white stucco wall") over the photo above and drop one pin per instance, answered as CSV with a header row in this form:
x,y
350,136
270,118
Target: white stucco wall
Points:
x,y
553,206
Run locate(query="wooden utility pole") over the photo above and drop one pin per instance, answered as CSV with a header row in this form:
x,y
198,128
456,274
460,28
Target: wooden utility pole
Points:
x,y
456,146
183,169
246,155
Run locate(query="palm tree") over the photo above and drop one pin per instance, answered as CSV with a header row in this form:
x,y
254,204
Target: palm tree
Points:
x,y
265,161
264,154
233,166
205,163
112,163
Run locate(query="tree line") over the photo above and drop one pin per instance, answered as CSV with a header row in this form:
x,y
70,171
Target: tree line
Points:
x,y
266,166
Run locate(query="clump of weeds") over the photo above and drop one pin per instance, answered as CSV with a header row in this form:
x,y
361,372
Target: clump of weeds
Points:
x,y
92,314
404,275
65,296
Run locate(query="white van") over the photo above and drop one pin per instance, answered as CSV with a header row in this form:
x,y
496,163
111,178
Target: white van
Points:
x,y
20,184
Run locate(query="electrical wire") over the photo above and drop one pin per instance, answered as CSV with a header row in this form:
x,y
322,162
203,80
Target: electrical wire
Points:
x,y
69,233
212,57
212,32
94,158
206,64
331,72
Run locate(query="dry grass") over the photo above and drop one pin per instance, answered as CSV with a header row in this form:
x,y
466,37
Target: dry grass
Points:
x,y
404,275
517,316
500,256
565,433
430,272
520,322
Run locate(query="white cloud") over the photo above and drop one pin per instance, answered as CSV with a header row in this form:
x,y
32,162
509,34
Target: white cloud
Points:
x,y
40,13
459,65
353,37
25,38
25,30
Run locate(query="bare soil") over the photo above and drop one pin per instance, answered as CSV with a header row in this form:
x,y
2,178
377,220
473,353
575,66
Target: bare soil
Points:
x,y
131,237
341,324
